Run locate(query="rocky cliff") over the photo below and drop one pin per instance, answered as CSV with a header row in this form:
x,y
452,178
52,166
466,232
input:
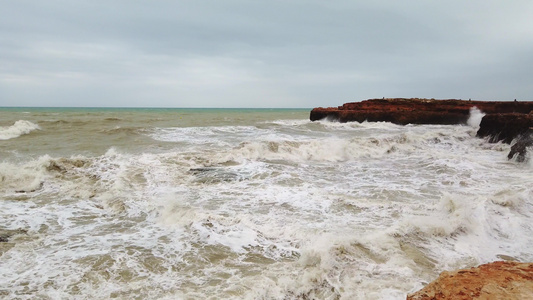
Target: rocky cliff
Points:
x,y
416,110
497,280
504,120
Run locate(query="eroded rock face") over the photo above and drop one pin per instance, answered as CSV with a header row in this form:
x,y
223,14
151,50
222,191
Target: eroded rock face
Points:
x,y
416,111
519,149
497,280
508,128
504,127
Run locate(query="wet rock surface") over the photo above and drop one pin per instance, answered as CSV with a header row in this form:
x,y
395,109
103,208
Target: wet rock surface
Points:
x,y
519,149
509,128
497,280
4,238
505,127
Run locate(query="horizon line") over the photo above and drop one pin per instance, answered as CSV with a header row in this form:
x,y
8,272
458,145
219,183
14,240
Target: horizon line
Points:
x,y
155,107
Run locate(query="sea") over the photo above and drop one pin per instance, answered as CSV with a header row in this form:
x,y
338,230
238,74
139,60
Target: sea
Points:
x,y
146,203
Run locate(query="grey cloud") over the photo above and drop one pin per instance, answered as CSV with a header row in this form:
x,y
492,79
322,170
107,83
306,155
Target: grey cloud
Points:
x,y
251,53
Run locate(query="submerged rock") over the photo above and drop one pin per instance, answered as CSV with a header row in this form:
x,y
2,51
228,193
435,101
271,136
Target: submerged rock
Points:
x,y
496,280
5,235
215,175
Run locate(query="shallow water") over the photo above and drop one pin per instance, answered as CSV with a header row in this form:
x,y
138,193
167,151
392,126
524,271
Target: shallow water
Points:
x,y
247,204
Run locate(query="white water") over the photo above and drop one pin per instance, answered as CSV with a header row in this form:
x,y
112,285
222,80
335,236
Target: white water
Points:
x,y
284,209
20,127
475,117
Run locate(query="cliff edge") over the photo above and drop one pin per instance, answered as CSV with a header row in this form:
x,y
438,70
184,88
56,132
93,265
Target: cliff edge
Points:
x,y
416,110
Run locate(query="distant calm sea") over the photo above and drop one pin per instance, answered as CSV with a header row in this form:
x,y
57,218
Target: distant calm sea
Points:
x,y
99,203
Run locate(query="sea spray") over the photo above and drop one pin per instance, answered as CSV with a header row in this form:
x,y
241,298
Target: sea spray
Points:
x,y
475,117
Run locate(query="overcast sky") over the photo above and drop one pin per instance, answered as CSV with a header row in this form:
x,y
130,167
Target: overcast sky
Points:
x,y
230,53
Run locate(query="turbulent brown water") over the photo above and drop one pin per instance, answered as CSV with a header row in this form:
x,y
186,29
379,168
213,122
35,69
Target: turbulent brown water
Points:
x,y
247,204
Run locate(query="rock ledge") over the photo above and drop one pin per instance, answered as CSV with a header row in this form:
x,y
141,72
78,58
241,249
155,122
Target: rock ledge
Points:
x,y
496,280
416,110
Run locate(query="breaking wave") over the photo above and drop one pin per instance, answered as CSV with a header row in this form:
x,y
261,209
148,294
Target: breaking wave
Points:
x,y
20,127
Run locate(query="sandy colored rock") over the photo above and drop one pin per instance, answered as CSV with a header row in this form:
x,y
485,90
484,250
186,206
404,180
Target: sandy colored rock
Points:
x,y
497,280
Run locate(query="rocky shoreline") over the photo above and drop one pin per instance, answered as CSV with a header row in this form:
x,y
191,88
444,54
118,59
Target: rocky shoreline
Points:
x,y
496,280
505,121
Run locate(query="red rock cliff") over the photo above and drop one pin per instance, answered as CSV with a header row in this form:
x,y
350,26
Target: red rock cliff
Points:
x,y
416,110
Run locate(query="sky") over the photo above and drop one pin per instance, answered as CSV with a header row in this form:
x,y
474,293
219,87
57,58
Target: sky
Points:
x,y
236,53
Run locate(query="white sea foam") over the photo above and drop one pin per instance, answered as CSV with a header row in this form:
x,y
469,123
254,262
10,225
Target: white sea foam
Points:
x,y
292,123
280,211
20,127
336,149
201,135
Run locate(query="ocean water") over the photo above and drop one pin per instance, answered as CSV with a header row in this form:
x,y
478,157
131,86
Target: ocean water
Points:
x,y
248,204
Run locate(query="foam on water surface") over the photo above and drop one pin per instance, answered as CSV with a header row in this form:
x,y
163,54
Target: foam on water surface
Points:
x,y
270,209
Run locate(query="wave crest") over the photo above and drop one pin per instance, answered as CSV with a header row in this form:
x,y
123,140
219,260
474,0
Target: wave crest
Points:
x,y
20,127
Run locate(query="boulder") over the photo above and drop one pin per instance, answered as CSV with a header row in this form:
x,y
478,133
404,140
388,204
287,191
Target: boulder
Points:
x,y
519,149
497,280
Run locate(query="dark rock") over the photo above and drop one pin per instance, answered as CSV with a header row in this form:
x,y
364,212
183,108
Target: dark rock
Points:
x,y
30,190
215,175
504,127
519,149
5,235
202,170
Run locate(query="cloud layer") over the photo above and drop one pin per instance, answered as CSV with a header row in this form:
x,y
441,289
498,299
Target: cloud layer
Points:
x,y
261,53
